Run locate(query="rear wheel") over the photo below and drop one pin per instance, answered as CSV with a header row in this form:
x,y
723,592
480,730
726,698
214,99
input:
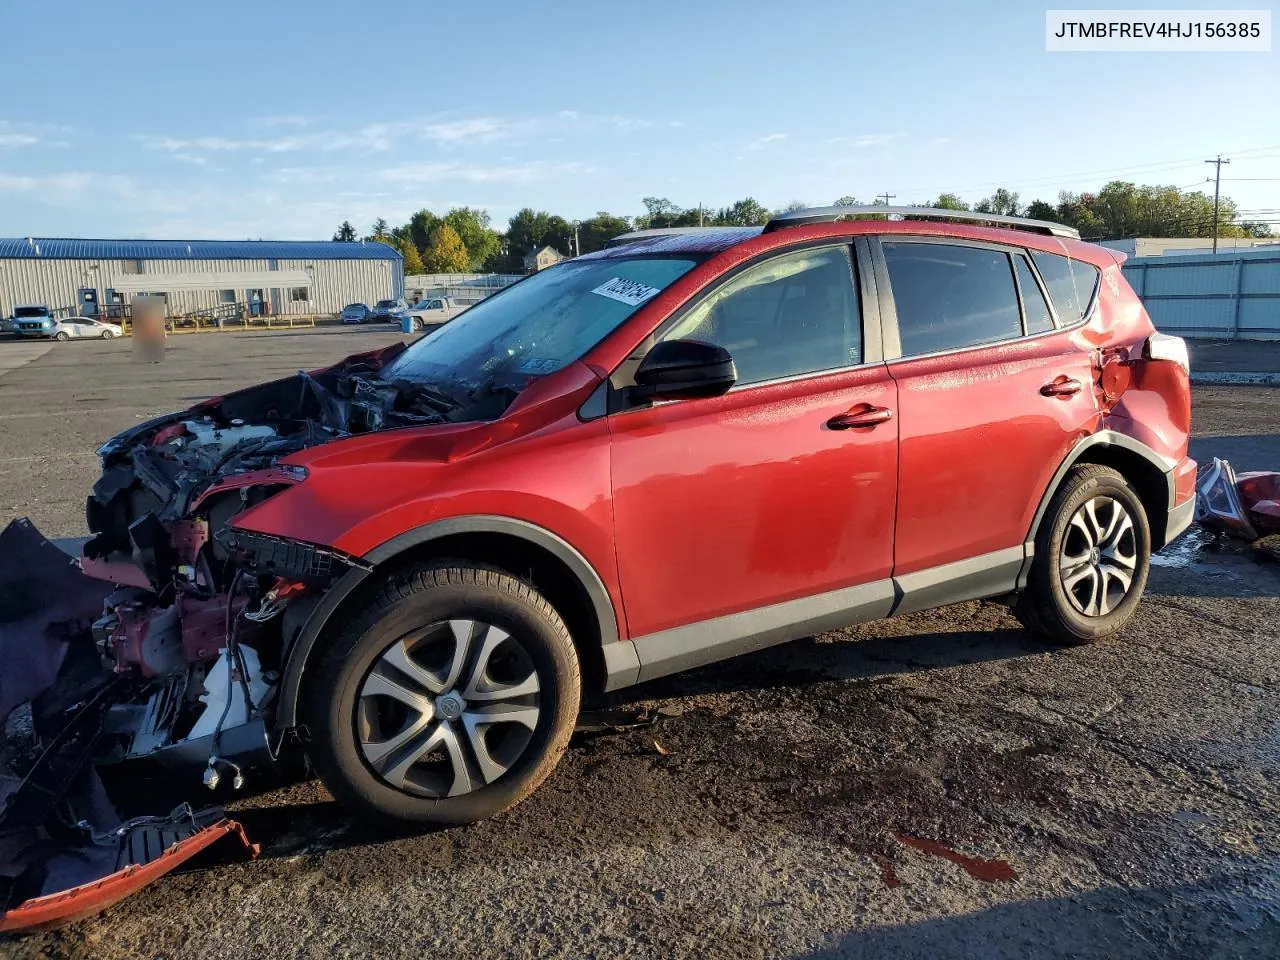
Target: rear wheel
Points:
x,y
61,335
1093,553
450,697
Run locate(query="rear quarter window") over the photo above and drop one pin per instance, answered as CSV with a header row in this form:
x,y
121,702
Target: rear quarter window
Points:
x,y
1071,284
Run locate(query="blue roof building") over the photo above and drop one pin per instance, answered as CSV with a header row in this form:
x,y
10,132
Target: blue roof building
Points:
x,y
280,276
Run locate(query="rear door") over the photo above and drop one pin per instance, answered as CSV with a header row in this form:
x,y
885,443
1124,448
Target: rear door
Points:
x,y
992,394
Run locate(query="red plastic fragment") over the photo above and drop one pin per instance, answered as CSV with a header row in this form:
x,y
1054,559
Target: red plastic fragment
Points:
x,y
76,903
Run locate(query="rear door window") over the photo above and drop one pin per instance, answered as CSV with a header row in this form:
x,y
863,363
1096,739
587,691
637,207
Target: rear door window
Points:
x,y
1039,319
949,296
1071,284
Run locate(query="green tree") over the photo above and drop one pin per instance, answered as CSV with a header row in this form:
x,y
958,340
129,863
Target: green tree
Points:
x,y
346,233
412,259
379,231
847,201
472,225
1039,210
593,234
446,253
1001,202
745,213
948,201
533,229
420,228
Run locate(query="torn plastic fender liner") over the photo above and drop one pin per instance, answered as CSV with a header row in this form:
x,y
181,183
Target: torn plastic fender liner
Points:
x,y
87,899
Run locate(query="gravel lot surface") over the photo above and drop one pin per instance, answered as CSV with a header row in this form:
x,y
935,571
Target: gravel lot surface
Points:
x,y
934,786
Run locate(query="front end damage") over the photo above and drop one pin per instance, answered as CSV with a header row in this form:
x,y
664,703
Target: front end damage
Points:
x,y
156,656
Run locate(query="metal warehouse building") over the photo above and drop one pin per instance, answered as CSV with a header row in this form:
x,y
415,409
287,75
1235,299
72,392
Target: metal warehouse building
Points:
x,y
269,276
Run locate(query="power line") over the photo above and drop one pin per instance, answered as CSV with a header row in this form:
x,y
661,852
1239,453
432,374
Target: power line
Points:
x,y
1154,167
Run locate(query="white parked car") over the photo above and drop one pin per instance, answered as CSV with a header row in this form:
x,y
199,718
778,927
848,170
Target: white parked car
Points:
x,y
80,328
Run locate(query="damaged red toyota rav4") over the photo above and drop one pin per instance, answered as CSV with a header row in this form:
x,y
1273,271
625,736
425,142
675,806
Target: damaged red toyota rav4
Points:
x,y
694,443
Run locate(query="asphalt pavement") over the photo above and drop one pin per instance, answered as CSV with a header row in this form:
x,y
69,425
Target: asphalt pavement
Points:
x,y
939,785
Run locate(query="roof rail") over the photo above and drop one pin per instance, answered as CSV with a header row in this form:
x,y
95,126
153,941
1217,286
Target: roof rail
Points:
x,y
798,218
655,232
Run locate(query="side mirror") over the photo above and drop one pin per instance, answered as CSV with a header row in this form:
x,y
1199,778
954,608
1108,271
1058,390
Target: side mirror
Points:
x,y
684,369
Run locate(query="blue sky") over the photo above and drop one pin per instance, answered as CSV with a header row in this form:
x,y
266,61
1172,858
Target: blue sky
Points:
x,y
279,120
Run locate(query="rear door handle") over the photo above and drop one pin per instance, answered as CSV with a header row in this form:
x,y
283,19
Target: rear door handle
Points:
x,y
1062,386
864,415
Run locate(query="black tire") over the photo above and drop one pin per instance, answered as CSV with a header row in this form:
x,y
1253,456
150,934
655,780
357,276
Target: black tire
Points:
x,y
1046,607
410,601
61,336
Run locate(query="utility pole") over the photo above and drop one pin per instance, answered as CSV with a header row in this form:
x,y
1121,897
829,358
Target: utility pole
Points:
x,y
1217,184
699,213
886,197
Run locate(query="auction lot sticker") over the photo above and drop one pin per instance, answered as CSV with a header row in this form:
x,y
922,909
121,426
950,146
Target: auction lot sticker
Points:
x,y
625,291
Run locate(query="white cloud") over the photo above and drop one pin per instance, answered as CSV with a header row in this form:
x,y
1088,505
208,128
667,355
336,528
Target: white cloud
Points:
x,y
59,183
762,142
480,128
17,140
867,139
513,173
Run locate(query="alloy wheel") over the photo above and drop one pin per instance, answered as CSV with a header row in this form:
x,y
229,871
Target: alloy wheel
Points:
x,y
1099,556
448,710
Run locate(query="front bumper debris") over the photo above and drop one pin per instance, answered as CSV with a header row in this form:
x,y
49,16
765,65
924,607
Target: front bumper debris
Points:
x,y
135,854
65,850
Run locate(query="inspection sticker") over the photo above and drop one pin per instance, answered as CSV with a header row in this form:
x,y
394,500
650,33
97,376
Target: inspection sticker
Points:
x,y
626,291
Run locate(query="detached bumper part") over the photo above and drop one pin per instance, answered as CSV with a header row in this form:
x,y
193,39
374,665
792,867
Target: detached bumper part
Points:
x,y
141,853
1240,505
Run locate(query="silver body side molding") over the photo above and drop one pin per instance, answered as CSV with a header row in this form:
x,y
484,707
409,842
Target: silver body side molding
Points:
x,y
682,648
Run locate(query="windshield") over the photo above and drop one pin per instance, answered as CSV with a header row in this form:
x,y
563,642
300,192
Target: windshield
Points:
x,y
386,303
354,308
31,312
539,325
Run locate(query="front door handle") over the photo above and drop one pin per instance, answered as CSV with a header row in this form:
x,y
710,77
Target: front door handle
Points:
x,y
863,415
1062,386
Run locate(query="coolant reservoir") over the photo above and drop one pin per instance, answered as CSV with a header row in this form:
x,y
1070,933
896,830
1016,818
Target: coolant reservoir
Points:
x,y
218,692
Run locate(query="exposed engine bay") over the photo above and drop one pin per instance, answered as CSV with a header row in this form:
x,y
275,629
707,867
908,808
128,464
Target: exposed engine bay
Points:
x,y
163,644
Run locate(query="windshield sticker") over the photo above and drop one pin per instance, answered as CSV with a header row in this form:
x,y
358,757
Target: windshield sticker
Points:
x,y
626,291
539,365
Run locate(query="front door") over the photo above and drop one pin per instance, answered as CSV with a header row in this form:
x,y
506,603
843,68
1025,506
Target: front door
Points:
x,y
741,516
991,394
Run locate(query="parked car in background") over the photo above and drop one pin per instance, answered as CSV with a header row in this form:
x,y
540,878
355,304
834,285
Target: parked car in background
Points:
x,y
355,313
388,311
85,328
33,320
431,312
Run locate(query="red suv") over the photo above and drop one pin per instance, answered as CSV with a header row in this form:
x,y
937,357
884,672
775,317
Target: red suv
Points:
x,y
684,447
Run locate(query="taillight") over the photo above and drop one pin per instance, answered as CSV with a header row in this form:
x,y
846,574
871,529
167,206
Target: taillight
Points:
x,y
1162,346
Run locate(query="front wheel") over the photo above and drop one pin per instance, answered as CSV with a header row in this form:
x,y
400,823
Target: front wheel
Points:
x,y
1093,553
107,334
449,697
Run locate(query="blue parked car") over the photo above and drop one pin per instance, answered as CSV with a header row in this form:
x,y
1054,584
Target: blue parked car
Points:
x,y
33,320
355,313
